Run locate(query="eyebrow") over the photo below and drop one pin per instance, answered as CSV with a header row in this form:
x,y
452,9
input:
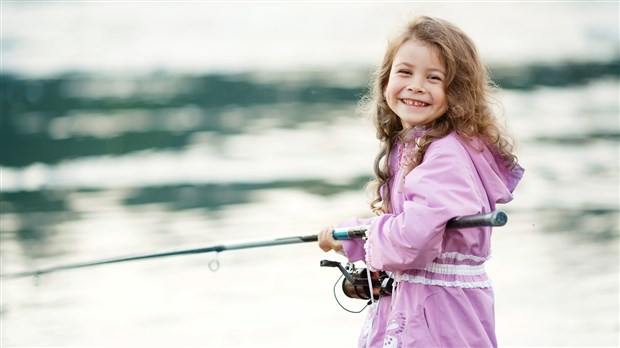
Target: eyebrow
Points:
x,y
412,66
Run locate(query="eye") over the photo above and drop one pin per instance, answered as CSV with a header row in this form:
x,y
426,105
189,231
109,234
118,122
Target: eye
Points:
x,y
403,72
435,77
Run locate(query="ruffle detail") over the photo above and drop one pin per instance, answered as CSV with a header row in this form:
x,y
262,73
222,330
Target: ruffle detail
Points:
x,y
367,249
456,256
469,284
451,269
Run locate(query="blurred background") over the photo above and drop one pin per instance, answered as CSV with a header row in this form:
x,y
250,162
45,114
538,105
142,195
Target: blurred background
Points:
x,y
134,127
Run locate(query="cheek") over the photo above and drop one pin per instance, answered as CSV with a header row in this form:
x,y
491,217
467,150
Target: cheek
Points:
x,y
389,91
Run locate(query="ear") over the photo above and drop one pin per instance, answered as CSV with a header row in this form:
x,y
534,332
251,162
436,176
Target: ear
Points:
x,y
384,90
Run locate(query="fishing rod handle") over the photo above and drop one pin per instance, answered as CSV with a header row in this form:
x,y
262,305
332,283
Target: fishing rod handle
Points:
x,y
495,218
350,232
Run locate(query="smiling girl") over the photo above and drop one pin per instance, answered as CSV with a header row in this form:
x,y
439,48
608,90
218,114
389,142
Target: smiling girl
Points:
x,y
443,154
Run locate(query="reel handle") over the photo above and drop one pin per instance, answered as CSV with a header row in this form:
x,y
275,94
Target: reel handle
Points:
x,y
328,263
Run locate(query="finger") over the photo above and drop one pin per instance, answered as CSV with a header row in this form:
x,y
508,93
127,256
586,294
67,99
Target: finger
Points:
x,y
325,239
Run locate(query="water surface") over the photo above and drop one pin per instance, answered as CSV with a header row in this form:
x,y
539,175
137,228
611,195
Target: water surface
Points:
x,y
171,150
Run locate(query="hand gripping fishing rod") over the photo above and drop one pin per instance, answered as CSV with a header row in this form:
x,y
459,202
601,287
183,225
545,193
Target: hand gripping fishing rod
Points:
x,y
496,218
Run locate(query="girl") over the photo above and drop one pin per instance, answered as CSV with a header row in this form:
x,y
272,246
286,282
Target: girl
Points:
x,y
443,155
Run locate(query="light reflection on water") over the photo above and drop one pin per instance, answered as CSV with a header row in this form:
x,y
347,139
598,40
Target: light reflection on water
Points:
x,y
218,36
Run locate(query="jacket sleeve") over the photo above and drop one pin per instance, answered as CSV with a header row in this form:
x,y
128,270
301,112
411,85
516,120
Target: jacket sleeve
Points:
x,y
354,248
443,186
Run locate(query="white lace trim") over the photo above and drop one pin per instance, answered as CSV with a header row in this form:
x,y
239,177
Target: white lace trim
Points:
x,y
367,251
461,257
467,270
422,280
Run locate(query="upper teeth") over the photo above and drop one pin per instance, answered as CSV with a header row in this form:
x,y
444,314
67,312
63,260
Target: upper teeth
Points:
x,y
414,102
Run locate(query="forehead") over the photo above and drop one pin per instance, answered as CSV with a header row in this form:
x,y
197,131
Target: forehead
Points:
x,y
413,52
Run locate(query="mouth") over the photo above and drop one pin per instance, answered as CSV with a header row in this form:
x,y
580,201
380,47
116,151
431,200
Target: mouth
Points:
x,y
413,102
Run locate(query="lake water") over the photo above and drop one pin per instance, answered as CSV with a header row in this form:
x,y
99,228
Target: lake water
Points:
x,y
142,127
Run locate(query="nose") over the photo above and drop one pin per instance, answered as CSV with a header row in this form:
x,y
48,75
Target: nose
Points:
x,y
416,85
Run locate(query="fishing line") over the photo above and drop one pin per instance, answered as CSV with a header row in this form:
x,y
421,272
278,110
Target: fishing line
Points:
x,y
340,304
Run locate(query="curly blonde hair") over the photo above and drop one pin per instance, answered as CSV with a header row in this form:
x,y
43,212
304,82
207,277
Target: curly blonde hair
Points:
x,y
468,90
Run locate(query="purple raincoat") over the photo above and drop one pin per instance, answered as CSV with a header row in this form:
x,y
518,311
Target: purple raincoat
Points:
x,y
443,296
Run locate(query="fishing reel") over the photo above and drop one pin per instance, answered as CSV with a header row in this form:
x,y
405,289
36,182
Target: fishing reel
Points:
x,y
356,285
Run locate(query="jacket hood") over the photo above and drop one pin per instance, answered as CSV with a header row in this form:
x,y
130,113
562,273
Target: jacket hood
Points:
x,y
498,177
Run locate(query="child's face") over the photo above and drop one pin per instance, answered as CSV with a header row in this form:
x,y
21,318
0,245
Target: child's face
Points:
x,y
416,89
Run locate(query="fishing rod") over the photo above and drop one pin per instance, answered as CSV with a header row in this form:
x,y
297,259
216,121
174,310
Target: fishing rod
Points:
x,y
496,218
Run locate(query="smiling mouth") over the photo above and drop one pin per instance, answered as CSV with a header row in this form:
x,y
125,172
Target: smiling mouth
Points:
x,y
412,102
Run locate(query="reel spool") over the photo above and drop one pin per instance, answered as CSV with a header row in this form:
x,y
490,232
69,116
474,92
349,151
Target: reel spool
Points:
x,y
355,282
